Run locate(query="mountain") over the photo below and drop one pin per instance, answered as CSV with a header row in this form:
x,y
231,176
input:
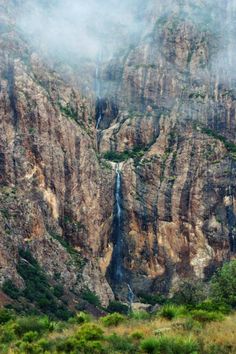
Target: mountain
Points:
x,y
120,170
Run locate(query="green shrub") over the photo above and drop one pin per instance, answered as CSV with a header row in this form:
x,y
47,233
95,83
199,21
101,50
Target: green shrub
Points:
x,y
58,291
137,335
118,307
68,345
231,147
81,318
223,284
45,344
28,324
218,349
152,299
205,316
172,311
136,153
90,331
68,111
38,289
121,344
6,315
93,347
11,290
92,298
7,333
150,345
191,292
211,305
113,319
30,337
192,325
170,345
140,315
29,348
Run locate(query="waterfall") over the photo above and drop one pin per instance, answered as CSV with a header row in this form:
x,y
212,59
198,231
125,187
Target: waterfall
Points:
x,y
98,92
131,296
116,272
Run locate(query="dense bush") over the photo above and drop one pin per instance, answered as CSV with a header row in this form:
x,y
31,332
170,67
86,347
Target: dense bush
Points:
x,y
115,156
223,284
38,289
6,315
81,318
206,316
91,297
90,331
29,324
152,299
170,345
119,307
150,345
11,290
211,305
140,315
30,337
113,319
191,293
87,340
172,311
121,344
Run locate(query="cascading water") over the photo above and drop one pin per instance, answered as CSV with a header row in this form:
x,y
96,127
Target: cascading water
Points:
x,y
116,268
98,94
131,296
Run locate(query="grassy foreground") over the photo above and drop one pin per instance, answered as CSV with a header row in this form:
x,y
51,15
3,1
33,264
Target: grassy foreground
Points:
x,y
172,330
199,319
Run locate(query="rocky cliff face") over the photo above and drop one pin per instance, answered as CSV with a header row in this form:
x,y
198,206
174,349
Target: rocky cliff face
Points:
x,y
178,109
168,118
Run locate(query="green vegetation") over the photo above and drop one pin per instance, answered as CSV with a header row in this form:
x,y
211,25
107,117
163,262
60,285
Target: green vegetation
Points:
x,y
171,311
197,327
223,285
92,298
136,154
116,306
191,293
42,296
75,255
170,345
198,94
113,319
68,111
10,289
152,299
231,147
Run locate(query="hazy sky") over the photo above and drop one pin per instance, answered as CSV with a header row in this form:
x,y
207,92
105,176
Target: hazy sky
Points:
x,y
80,27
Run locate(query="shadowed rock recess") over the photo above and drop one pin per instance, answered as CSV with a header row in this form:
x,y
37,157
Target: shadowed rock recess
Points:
x,y
123,173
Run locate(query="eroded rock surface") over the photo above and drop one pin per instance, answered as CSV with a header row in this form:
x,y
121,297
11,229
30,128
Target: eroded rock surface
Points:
x,y
168,118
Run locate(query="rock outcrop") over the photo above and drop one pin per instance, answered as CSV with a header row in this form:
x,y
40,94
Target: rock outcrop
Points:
x,y
168,116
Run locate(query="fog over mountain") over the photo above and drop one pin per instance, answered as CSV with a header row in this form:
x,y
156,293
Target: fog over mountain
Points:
x,y
75,29
81,28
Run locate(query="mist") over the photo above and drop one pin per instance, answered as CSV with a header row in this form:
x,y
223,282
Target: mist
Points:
x,y
81,28
75,29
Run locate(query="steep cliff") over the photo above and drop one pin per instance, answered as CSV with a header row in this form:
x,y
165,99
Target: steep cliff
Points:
x,y
176,118
167,117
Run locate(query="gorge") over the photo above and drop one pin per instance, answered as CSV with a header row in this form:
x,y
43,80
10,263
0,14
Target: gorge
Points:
x,y
117,171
